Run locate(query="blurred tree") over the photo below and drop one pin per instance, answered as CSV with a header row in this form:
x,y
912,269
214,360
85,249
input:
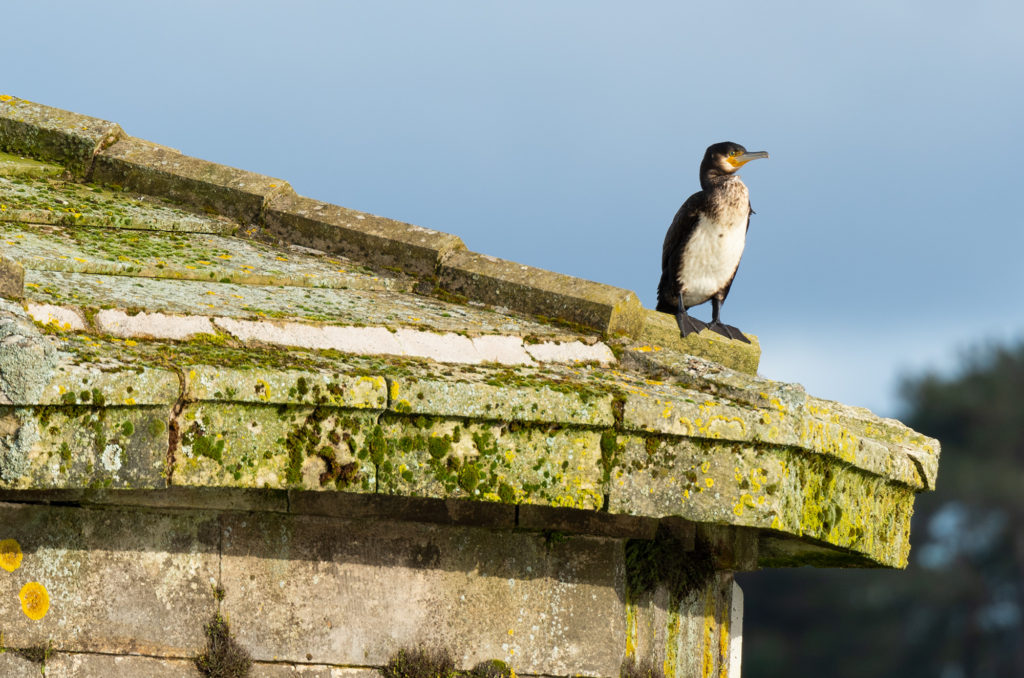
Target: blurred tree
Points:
x,y
958,609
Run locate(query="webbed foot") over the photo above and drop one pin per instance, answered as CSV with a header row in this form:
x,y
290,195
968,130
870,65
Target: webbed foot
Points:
x,y
728,331
688,324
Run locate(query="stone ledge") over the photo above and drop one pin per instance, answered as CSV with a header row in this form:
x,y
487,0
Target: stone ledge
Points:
x,y
518,287
376,240
54,134
157,170
660,329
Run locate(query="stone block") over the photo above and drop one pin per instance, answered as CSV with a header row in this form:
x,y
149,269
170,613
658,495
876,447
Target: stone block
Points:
x,y
490,280
12,278
156,170
72,665
455,459
352,593
513,401
262,446
661,330
118,582
293,387
53,134
364,237
83,446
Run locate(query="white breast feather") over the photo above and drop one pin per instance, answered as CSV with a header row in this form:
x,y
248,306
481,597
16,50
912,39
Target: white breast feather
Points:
x,y
713,252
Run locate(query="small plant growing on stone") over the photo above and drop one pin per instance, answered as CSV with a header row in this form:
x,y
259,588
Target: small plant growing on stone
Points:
x,y
493,668
420,663
644,669
224,657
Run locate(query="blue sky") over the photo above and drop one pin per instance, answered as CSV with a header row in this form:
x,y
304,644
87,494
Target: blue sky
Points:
x,y
566,134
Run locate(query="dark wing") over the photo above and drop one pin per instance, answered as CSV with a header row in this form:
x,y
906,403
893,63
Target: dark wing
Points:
x,y
675,240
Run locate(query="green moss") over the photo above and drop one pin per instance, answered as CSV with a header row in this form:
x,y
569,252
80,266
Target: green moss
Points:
x,y
643,669
223,657
420,663
127,428
439,446
665,561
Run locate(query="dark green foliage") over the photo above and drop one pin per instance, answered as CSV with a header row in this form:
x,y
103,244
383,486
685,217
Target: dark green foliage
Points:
x,y
223,658
495,668
420,663
666,561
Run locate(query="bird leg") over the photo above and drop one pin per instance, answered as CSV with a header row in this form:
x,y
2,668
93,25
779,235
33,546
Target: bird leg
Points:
x,y
687,325
723,329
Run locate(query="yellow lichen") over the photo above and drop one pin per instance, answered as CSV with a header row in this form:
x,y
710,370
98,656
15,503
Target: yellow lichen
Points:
x,y
10,555
35,600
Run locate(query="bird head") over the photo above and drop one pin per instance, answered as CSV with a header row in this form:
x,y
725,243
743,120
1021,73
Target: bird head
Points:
x,y
726,157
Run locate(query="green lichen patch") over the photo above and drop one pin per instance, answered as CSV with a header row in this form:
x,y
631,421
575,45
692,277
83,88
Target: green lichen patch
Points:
x,y
454,458
265,446
44,200
777,488
17,166
180,255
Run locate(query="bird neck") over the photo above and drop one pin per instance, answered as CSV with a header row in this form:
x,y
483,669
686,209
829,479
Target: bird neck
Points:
x,y
712,178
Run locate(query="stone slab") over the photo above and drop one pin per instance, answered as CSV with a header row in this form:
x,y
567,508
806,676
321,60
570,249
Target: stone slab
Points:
x,y
661,330
119,582
510,401
156,170
77,447
375,240
80,665
532,290
304,589
53,134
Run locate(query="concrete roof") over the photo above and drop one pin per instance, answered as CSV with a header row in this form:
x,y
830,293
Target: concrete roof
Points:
x,y
169,322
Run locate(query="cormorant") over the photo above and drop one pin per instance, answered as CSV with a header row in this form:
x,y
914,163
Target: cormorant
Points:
x,y
704,244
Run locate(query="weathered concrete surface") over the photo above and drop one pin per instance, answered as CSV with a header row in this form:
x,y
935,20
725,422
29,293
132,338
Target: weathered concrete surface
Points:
x,y
53,134
118,581
696,634
310,589
156,170
532,290
74,665
375,240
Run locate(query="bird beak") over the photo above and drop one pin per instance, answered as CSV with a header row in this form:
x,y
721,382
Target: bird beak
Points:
x,y
743,158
